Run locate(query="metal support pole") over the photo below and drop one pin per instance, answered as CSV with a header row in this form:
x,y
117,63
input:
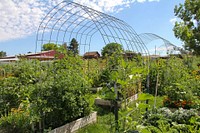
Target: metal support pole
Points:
x,y
116,110
147,101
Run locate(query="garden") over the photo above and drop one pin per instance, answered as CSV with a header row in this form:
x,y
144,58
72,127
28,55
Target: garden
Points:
x,y
40,96
170,105
130,91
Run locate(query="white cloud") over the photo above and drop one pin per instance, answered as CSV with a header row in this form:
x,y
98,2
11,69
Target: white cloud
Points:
x,y
173,20
141,1
154,0
106,5
195,23
20,18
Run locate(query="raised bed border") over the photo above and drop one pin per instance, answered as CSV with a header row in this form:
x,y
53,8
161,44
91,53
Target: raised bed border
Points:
x,y
77,124
102,102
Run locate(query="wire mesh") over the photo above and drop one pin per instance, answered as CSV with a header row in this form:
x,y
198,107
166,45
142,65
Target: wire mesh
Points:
x,y
91,28
70,20
167,47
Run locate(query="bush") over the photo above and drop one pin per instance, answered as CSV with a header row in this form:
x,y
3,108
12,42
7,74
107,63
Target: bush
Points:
x,y
17,121
52,93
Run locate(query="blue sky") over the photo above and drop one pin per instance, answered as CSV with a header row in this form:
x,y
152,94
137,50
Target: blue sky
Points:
x,y
19,23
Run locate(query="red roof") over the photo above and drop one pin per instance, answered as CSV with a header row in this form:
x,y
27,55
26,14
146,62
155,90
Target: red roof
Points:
x,y
44,55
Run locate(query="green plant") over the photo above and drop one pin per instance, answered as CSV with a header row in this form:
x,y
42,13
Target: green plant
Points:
x,y
73,47
52,93
163,120
103,125
61,95
179,96
186,29
17,121
112,48
182,116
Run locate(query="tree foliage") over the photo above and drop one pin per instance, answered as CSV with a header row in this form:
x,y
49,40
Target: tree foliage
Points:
x,y
188,28
58,48
49,46
2,54
73,47
112,48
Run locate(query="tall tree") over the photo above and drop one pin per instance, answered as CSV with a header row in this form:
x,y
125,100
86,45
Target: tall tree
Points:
x,y
188,29
112,48
73,47
2,54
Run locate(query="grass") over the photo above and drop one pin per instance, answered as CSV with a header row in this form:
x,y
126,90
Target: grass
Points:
x,y
105,119
103,125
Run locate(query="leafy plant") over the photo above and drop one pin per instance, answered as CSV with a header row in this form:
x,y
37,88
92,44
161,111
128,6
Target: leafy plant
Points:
x,y
52,93
17,121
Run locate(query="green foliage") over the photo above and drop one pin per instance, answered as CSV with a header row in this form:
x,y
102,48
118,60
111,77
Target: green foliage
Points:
x,y
17,121
112,48
182,116
103,77
163,120
180,96
49,46
2,54
60,49
61,94
103,125
17,84
188,29
96,71
170,71
73,47
52,93
125,76
56,93
178,80
145,96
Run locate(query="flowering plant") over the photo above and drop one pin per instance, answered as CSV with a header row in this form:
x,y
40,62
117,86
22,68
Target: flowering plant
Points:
x,y
179,96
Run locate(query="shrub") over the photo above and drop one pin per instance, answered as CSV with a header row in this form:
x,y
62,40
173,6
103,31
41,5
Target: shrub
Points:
x,y
53,93
17,121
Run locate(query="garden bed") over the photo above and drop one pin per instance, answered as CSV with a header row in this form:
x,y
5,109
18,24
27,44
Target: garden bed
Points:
x,y
102,102
77,124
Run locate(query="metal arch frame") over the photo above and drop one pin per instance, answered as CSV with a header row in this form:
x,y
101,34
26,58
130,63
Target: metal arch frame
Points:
x,y
149,37
70,20
85,23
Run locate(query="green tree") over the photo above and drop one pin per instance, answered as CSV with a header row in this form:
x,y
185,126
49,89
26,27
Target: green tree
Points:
x,y
49,46
73,47
2,54
112,48
188,28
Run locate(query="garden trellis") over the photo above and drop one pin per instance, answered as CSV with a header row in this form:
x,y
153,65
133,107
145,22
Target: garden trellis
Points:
x,y
93,29
70,20
167,47
40,96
